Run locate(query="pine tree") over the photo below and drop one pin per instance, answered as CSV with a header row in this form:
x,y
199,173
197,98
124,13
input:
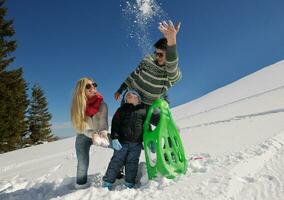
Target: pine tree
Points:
x,y
6,46
39,117
13,88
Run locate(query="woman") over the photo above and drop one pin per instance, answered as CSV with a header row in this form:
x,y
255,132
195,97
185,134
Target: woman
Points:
x,y
89,118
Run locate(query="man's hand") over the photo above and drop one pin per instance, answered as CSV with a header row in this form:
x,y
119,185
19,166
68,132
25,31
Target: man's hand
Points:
x,y
117,95
170,31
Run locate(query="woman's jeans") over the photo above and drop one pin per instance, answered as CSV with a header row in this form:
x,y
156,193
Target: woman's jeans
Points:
x,y
82,145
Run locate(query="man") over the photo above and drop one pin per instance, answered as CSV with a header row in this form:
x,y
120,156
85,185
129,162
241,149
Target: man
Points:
x,y
156,73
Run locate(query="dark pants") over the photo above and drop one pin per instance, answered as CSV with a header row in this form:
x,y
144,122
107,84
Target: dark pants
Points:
x,y
129,156
155,118
82,145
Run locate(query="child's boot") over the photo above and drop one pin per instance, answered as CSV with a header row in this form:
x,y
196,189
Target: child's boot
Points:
x,y
107,185
129,185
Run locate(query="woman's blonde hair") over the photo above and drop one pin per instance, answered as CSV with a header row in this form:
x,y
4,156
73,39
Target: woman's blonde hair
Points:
x,y
78,106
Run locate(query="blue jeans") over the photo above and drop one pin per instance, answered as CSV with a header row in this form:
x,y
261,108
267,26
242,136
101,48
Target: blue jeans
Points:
x,y
129,156
82,145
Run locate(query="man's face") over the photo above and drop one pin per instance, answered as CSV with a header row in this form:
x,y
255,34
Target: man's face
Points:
x,y
160,56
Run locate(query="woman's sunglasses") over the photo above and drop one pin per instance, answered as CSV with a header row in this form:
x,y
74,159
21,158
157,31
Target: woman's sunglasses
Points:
x,y
88,86
158,54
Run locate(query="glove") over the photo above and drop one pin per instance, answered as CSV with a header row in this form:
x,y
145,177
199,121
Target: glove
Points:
x,y
116,144
96,139
104,138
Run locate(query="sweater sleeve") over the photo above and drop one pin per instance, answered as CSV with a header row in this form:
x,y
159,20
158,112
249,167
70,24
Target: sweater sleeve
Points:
x,y
115,124
172,68
89,131
132,76
103,121
122,88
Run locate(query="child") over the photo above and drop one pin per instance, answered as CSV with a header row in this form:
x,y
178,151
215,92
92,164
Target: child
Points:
x,y
127,137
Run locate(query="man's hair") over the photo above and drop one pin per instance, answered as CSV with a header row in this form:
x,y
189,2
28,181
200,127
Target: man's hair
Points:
x,y
161,44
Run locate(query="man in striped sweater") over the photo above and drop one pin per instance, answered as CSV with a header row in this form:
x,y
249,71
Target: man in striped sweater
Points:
x,y
156,73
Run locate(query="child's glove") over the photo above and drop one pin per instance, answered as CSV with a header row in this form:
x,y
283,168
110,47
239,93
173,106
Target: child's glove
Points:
x,y
116,144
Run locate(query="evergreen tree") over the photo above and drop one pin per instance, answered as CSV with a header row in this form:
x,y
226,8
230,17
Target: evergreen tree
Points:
x,y
39,117
13,88
6,46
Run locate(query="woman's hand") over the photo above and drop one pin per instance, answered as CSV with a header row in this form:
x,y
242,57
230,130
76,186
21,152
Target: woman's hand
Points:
x,y
170,31
104,138
96,139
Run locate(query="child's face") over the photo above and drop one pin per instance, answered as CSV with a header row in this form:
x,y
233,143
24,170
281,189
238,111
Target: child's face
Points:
x,y
132,98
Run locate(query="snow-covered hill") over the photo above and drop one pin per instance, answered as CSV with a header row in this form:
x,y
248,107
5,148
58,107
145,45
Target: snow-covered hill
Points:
x,y
236,132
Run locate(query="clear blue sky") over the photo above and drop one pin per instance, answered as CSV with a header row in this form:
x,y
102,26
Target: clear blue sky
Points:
x,y
220,41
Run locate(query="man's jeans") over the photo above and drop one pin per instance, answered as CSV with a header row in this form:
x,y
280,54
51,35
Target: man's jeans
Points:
x,y
129,156
82,145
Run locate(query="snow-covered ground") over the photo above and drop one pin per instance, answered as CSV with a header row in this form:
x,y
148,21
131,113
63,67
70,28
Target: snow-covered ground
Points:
x,y
237,131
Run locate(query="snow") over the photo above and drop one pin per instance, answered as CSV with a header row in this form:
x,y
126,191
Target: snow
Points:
x,y
233,138
142,16
145,6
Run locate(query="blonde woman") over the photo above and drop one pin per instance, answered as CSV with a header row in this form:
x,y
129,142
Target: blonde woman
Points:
x,y
89,118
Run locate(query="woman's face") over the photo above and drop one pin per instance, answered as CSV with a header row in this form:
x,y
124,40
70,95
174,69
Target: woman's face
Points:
x,y
90,89
132,98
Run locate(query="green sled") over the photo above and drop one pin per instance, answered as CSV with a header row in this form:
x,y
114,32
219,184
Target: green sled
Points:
x,y
163,147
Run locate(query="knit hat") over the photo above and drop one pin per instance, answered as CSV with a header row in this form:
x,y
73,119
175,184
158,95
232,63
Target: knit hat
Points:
x,y
133,92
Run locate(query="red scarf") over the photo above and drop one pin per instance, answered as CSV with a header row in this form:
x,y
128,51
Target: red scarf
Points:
x,y
93,104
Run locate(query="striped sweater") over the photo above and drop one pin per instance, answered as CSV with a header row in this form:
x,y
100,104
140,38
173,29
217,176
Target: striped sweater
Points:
x,y
152,81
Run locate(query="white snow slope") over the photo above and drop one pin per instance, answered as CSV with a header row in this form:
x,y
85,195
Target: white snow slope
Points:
x,y
236,132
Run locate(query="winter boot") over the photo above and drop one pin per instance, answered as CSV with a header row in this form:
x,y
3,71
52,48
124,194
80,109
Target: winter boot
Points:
x,y
107,185
129,185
